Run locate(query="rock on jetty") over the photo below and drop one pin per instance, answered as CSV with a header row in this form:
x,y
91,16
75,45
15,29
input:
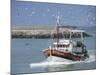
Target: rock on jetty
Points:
x,y
42,32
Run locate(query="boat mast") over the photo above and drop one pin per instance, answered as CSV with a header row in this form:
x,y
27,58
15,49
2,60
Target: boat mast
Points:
x,y
82,37
57,27
70,36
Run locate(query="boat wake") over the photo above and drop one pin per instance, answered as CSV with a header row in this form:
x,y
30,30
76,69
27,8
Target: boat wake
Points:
x,y
67,62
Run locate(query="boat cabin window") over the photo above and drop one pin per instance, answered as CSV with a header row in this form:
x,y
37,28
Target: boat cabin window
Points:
x,y
61,46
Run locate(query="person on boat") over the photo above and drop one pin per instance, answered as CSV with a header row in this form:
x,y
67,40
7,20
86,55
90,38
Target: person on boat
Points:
x,y
84,51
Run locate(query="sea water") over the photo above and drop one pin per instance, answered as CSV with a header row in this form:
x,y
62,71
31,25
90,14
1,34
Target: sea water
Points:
x,y
27,57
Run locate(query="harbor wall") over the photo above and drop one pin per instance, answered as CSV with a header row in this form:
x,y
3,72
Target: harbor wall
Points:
x,y
42,32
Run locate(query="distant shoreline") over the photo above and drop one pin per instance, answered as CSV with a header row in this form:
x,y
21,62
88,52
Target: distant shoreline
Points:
x,y
42,32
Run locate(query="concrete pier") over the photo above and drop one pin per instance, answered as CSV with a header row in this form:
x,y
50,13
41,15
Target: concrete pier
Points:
x,y
41,32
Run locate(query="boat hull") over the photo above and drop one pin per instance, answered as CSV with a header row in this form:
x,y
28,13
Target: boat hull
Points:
x,y
65,55
56,59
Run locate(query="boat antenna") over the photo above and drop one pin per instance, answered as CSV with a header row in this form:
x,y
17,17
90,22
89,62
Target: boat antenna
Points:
x,y
57,27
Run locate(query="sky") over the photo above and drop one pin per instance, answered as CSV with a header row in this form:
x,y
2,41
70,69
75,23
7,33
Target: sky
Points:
x,y
38,13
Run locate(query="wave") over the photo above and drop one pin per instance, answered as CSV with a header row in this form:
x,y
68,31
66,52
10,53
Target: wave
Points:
x,y
67,62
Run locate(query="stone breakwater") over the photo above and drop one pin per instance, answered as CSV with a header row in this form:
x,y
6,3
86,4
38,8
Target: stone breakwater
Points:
x,y
42,32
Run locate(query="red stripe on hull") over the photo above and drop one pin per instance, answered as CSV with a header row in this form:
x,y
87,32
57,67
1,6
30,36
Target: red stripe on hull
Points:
x,y
66,55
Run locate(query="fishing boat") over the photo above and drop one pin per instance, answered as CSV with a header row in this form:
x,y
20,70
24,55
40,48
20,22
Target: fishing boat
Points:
x,y
67,48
